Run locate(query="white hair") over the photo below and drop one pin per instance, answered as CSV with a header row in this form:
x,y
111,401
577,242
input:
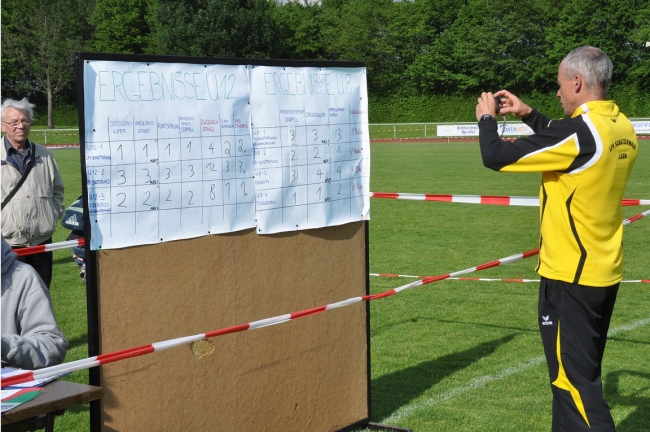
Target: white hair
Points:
x,y
593,65
23,106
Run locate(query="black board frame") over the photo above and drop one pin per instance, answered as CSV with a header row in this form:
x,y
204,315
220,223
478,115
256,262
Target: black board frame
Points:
x,y
91,257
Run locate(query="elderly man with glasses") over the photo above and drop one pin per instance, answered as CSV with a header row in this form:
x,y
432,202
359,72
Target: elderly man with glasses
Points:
x,y
32,187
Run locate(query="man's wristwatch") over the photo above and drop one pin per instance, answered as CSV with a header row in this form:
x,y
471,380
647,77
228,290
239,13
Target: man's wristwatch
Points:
x,y
485,117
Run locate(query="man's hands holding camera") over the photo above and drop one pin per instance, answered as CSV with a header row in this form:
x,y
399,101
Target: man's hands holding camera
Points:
x,y
501,102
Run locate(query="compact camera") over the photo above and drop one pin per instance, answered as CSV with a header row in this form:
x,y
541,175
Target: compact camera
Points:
x,y
499,104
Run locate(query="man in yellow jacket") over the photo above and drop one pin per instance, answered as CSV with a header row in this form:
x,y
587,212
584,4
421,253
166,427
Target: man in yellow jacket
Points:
x,y
32,187
585,161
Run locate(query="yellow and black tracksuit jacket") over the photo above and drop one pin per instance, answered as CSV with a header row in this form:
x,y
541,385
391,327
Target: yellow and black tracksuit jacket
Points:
x,y
585,162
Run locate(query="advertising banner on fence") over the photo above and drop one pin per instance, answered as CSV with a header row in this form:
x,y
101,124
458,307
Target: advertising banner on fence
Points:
x,y
514,129
641,127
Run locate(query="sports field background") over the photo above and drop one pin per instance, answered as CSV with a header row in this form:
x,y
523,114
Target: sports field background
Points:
x,y
379,131
452,355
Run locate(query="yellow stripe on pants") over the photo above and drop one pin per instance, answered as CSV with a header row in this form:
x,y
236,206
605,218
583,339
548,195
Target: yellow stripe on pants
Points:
x,y
563,382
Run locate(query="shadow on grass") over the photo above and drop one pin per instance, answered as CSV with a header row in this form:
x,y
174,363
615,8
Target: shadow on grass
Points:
x,y
474,323
379,329
63,260
83,407
639,418
628,340
392,391
78,341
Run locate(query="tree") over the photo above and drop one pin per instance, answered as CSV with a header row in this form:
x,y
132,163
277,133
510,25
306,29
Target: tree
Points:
x,y
39,42
373,31
121,26
226,28
431,18
607,24
486,48
640,37
299,30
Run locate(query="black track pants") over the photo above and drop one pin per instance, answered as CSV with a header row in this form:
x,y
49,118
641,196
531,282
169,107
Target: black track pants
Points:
x,y
573,322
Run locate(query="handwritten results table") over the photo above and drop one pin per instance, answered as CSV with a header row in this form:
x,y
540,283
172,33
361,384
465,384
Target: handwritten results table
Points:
x,y
312,156
167,180
176,151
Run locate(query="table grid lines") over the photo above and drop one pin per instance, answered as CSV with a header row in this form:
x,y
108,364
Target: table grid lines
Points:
x,y
251,160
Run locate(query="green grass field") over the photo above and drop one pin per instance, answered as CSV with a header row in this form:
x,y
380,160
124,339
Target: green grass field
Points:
x,y
60,135
452,355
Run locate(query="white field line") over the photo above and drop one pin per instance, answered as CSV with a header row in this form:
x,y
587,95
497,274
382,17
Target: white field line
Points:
x,y
475,383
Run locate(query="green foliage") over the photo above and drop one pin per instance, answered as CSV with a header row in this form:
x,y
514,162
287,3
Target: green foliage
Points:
x,y
485,47
382,110
299,29
222,28
454,108
64,116
631,102
606,24
39,44
421,109
640,35
426,59
120,26
443,108
374,31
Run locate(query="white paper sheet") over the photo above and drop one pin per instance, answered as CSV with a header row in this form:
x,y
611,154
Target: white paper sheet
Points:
x,y
176,151
312,149
168,151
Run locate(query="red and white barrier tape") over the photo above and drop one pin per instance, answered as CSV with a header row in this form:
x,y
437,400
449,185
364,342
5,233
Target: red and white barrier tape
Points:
x,y
80,242
626,222
466,199
635,218
102,359
482,199
634,202
49,247
486,279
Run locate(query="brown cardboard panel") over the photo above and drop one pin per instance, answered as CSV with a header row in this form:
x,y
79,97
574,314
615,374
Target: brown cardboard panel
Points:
x,y
309,374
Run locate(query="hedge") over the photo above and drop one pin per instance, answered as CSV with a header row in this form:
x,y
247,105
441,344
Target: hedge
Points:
x,y
420,109
64,116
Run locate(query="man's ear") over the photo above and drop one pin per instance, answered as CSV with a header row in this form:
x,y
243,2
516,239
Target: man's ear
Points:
x,y
578,84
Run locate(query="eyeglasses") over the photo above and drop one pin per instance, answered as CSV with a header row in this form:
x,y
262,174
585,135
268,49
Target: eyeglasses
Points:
x,y
15,124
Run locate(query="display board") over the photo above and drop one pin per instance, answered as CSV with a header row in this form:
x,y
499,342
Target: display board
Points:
x,y
310,374
181,150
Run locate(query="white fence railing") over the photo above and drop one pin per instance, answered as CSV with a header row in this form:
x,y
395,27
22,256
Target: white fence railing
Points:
x,y
35,134
463,129
378,130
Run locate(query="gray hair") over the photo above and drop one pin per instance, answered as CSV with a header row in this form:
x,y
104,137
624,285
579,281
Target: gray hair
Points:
x,y
23,106
593,65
